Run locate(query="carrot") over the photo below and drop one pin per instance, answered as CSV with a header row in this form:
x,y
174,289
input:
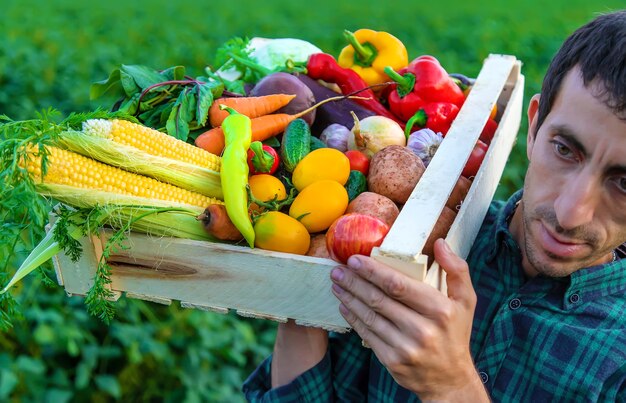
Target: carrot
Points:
x,y
252,107
263,127
217,223
212,140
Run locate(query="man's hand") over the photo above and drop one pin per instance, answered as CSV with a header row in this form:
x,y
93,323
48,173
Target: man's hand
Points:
x,y
420,335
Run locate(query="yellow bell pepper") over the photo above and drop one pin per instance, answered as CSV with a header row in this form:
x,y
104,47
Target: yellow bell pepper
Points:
x,y
369,52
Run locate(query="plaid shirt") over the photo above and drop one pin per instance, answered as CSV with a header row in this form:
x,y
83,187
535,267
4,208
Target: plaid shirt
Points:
x,y
538,339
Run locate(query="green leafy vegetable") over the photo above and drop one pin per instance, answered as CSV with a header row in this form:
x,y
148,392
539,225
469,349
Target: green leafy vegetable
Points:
x,y
165,99
233,47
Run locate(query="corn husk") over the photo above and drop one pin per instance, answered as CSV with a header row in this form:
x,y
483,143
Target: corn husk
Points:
x,y
181,174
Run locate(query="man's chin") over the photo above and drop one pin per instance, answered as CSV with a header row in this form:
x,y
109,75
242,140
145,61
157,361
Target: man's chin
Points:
x,y
550,266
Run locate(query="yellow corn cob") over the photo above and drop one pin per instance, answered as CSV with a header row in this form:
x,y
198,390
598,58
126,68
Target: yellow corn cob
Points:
x,y
178,173
68,168
152,142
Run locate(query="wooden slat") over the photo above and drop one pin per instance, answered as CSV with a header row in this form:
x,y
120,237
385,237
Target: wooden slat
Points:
x,y
404,242
216,309
474,208
77,277
149,298
253,282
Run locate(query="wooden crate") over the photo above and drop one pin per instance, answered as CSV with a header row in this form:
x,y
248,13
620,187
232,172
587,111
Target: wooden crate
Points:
x,y
277,286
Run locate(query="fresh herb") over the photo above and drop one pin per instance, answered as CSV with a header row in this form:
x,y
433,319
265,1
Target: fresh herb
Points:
x,y
99,298
166,100
233,47
236,54
23,212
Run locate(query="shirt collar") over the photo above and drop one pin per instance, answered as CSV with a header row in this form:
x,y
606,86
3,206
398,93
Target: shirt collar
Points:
x,y
501,234
599,281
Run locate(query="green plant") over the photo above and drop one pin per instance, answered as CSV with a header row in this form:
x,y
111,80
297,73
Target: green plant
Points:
x,y
51,52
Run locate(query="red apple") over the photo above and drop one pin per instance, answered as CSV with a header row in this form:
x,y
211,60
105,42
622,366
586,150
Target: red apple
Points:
x,y
354,234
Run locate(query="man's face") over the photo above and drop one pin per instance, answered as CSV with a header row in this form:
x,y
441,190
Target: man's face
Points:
x,y
573,211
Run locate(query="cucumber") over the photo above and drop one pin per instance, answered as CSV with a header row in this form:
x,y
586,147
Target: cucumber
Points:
x,y
356,184
317,143
296,143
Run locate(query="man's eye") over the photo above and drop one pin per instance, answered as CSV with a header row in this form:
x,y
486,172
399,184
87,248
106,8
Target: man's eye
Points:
x,y
621,183
561,149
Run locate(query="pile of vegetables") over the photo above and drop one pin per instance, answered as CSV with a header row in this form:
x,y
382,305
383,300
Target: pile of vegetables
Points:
x,y
280,146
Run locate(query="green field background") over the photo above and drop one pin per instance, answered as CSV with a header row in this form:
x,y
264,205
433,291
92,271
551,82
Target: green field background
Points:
x,y
50,53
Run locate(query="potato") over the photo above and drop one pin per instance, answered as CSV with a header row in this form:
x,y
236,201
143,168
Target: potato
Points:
x,y
458,193
375,205
442,226
318,246
394,172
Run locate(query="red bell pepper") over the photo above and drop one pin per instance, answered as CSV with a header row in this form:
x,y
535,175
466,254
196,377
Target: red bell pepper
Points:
x,y
436,116
262,159
423,81
322,66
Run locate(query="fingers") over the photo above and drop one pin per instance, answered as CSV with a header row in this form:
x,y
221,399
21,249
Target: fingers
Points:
x,y
373,327
373,307
397,286
458,279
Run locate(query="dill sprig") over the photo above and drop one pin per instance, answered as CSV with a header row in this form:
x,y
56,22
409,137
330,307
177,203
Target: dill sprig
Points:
x,y
99,298
61,232
23,211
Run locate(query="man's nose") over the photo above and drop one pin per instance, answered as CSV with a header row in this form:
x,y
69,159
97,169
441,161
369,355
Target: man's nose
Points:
x,y
577,202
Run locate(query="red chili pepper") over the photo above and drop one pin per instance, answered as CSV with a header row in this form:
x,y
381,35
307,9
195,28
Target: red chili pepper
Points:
x,y
436,116
322,66
423,81
262,159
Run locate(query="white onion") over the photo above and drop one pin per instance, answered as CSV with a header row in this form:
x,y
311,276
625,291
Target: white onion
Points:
x,y
374,133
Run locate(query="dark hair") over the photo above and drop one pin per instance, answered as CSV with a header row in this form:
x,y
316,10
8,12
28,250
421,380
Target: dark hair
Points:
x,y
599,50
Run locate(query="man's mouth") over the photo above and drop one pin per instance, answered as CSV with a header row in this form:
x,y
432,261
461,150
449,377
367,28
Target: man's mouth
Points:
x,y
557,245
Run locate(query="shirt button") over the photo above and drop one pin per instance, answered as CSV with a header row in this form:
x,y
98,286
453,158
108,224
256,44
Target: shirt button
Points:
x,y
574,298
515,303
483,376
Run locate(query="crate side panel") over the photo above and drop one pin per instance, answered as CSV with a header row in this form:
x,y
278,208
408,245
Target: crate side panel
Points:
x,y
465,227
474,208
255,282
76,277
409,234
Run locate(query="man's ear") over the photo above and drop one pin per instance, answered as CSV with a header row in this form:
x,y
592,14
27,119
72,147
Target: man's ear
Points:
x,y
533,107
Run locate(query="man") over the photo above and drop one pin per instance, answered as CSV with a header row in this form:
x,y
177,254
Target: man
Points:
x,y
541,313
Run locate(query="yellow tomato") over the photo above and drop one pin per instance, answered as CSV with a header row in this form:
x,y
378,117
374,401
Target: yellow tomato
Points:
x,y
266,187
323,163
281,233
319,204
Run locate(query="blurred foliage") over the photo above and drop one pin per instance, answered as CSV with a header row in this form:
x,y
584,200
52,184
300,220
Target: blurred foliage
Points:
x,y
50,53
150,352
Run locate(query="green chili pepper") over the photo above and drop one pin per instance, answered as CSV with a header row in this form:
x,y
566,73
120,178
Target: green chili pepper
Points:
x,y
234,171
